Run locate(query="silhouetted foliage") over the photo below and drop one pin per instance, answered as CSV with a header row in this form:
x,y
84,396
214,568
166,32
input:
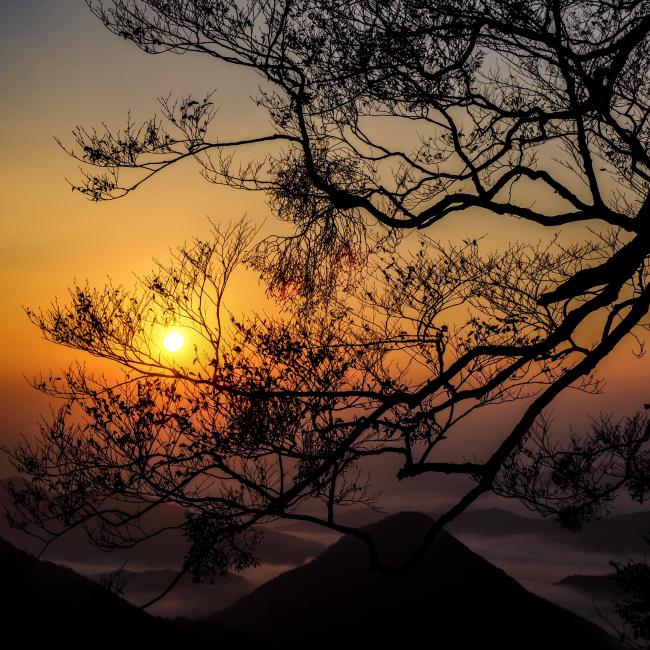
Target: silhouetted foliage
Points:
x,y
580,480
634,607
387,117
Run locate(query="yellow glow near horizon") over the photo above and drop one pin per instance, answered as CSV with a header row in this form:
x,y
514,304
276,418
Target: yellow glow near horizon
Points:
x,y
173,341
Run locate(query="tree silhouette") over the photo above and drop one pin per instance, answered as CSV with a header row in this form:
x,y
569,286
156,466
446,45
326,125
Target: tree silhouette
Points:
x,y
633,608
387,118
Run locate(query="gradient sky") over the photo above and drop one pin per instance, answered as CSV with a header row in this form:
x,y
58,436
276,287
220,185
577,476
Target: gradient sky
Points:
x,y
60,67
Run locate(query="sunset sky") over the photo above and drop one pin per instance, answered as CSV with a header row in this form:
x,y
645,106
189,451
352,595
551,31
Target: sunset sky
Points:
x,y
60,67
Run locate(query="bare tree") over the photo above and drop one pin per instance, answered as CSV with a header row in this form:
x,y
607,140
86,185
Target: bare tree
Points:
x,y
382,351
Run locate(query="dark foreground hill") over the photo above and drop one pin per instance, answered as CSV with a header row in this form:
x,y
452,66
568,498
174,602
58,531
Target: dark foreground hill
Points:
x,y
453,599
46,605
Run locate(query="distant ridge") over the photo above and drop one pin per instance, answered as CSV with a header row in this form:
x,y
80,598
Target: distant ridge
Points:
x,y
601,586
188,599
453,599
615,535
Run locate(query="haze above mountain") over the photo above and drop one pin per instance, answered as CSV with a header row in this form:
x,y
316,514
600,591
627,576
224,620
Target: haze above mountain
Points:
x,y
188,598
615,535
292,543
164,551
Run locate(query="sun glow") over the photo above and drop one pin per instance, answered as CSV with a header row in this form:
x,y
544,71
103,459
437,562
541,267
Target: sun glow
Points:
x,y
173,341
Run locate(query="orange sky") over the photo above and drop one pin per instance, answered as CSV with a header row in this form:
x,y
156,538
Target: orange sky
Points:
x,y
60,67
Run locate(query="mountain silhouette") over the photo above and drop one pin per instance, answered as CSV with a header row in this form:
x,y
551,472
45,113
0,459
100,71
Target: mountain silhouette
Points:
x,y
46,604
596,587
452,599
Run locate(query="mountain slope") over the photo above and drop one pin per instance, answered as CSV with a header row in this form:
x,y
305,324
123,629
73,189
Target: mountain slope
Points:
x,y
45,604
453,598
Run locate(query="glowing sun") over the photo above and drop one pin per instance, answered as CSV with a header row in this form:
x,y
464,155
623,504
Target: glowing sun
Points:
x,y
173,341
